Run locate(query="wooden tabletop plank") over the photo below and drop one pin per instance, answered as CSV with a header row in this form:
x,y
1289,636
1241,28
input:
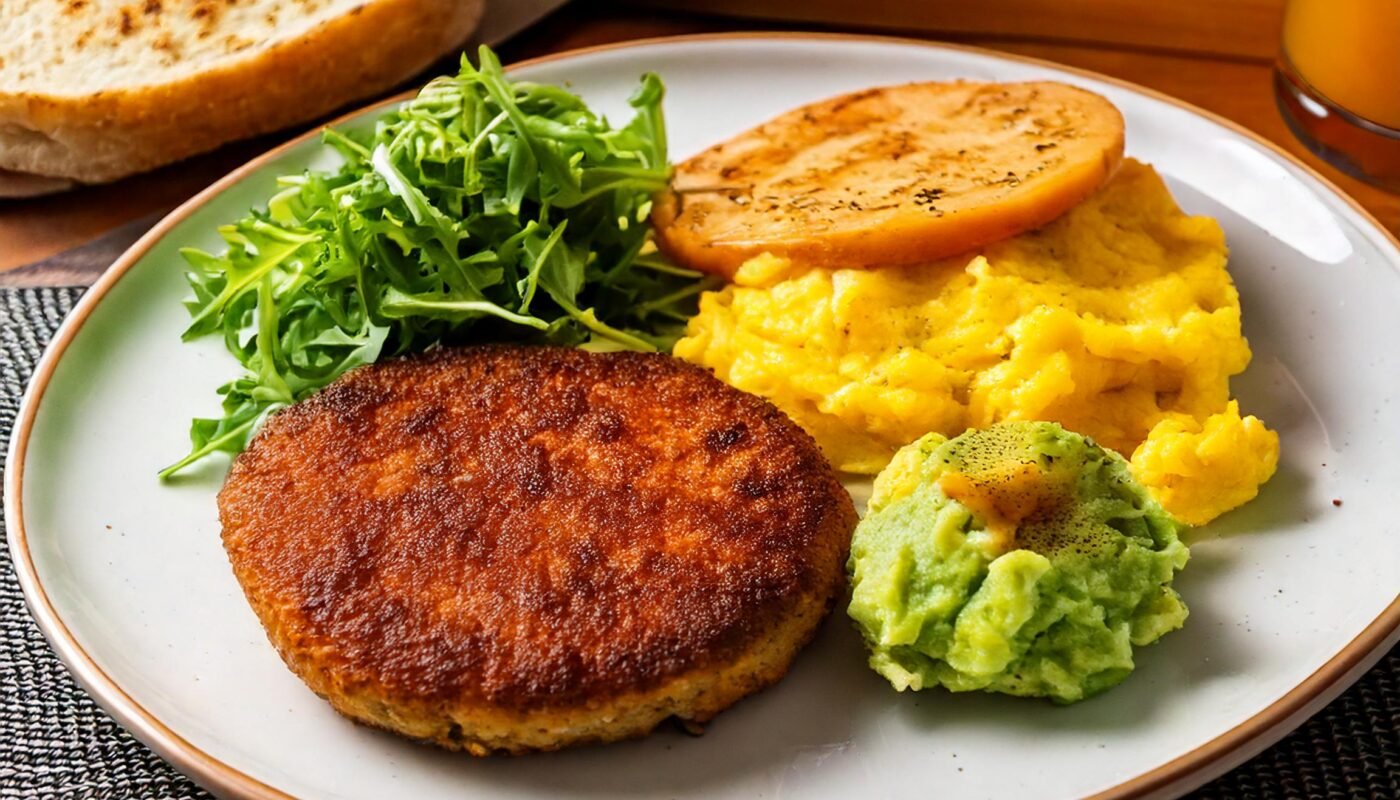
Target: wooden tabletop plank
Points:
x,y
1233,28
35,228
1235,86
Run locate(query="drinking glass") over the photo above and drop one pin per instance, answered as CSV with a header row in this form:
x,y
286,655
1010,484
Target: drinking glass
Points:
x,y
1337,82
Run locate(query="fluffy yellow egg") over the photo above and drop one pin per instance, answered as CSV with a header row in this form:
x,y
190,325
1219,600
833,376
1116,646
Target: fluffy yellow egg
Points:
x,y
1118,321
1199,469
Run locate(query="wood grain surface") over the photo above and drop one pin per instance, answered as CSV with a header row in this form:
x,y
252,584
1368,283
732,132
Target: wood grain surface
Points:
x,y
1214,54
1245,28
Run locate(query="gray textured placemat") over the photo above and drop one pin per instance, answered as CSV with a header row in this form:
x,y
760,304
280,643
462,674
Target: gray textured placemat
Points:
x,y
56,743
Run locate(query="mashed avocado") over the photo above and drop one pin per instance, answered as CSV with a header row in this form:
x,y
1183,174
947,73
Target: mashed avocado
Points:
x,y
1020,558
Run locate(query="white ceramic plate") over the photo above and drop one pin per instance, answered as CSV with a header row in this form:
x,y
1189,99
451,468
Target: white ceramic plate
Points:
x,y
1291,597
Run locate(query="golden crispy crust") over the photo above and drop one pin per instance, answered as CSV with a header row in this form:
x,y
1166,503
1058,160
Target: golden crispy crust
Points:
x,y
498,547
105,135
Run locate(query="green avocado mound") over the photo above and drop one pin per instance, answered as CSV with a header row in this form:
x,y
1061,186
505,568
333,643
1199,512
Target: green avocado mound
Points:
x,y
1020,558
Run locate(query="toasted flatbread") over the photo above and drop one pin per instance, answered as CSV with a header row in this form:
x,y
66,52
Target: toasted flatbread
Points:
x,y
94,90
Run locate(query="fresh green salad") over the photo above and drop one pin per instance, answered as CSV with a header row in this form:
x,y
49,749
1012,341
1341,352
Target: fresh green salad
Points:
x,y
482,210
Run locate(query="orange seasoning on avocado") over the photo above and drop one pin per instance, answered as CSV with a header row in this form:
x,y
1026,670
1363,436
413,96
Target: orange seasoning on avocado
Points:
x,y
1004,499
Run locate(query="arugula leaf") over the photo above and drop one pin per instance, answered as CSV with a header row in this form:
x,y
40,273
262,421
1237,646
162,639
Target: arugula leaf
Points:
x,y
483,209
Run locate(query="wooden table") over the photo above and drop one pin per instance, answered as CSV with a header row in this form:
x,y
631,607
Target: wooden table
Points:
x,y
1217,55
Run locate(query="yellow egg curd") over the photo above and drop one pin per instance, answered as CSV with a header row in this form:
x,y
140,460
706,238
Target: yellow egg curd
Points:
x,y
1119,321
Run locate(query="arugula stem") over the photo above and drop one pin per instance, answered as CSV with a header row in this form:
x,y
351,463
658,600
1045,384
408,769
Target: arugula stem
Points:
x,y
648,186
590,321
648,306
534,277
475,306
667,268
213,446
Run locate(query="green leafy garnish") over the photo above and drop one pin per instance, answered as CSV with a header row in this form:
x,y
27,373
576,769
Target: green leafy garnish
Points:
x,y
482,210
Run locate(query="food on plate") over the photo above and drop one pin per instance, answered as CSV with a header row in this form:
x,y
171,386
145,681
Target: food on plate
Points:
x,y
1200,467
892,175
527,546
508,548
1020,558
1117,320
483,209
94,90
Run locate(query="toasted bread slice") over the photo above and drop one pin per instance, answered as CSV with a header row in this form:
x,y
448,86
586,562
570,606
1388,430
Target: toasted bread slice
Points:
x,y
894,175
23,184
93,90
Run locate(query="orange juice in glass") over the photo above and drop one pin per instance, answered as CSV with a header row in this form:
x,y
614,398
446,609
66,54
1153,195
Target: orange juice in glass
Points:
x,y
1338,83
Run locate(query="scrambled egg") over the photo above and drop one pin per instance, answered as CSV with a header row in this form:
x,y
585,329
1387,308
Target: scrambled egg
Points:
x,y
1118,321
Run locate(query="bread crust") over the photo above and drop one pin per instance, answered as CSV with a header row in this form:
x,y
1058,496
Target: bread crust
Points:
x,y
105,135
24,184
506,549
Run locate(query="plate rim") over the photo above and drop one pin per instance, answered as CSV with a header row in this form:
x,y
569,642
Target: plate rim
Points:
x,y
1181,773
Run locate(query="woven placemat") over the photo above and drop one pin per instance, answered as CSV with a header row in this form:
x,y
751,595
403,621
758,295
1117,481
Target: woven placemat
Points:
x,y
56,743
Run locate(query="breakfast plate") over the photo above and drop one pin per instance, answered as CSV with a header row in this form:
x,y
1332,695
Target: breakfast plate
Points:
x,y
1292,597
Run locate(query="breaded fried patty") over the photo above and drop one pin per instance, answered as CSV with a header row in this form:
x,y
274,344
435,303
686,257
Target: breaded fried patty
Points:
x,y
507,549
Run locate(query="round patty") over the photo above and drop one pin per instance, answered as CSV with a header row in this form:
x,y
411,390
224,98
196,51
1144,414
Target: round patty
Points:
x,y
523,548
